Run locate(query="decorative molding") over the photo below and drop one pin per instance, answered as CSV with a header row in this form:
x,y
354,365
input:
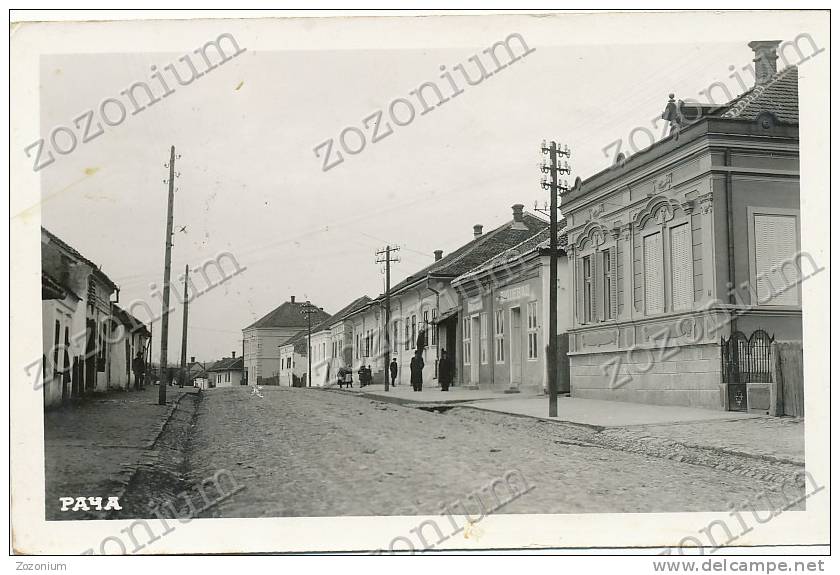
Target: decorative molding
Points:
x,y
706,203
600,338
627,231
658,207
593,233
595,211
687,206
661,184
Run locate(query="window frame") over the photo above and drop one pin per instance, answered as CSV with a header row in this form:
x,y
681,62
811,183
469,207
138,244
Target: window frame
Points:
x,y
466,337
499,336
753,211
532,319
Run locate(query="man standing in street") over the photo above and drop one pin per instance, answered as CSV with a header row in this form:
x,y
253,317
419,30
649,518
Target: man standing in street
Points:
x,y
393,370
417,371
139,367
444,371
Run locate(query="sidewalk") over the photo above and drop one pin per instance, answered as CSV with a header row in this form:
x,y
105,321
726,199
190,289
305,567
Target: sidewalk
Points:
x,y
757,436
433,394
91,449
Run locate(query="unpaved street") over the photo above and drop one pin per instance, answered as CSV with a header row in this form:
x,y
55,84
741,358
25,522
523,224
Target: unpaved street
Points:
x,y
308,452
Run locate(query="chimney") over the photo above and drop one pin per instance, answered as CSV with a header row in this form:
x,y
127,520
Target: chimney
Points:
x,y
765,59
192,359
518,221
438,254
233,354
293,299
477,230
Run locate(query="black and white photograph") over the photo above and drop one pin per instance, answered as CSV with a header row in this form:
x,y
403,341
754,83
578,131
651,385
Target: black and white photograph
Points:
x,y
418,283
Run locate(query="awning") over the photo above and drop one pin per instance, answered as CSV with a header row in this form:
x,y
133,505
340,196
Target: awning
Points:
x,y
447,314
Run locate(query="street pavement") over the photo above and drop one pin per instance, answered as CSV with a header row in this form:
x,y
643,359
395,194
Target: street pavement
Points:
x,y
93,447
312,452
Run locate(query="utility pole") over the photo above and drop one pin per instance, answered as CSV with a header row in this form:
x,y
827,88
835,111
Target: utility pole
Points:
x,y
164,324
184,328
555,168
308,309
385,256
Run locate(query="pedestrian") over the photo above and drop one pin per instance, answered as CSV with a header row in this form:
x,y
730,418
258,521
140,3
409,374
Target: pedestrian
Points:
x,y
444,371
139,367
417,371
393,370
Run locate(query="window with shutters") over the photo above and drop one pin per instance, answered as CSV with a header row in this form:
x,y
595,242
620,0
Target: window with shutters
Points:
x,y
407,341
682,268
587,289
483,350
414,331
434,326
777,268
608,283
500,336
467,341
654,291
532,330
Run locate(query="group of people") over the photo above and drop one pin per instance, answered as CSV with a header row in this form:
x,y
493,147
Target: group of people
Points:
x,y
445,371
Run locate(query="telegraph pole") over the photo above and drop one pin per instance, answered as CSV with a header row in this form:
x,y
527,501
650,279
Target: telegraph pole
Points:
x,y
164,324
184,328
308,309
385,256
555,187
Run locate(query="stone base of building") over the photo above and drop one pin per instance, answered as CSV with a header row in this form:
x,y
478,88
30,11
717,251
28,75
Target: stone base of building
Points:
x,y
688,376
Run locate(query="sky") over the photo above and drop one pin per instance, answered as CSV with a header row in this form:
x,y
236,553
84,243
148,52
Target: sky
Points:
x,y
251,185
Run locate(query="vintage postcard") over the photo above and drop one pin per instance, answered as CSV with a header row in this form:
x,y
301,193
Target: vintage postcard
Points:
x,y
404,283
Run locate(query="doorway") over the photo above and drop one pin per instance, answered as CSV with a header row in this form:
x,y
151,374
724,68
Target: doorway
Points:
x,y
515,346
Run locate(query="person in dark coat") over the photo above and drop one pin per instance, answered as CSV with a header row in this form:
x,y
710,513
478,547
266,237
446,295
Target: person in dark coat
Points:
x,y
139,368
417,371
444,371
393,370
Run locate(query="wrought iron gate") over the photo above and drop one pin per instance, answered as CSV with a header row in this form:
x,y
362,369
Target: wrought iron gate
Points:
x,y
745,360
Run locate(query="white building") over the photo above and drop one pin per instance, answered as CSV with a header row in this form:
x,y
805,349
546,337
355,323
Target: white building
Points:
x,y
263,338
86,336
226,372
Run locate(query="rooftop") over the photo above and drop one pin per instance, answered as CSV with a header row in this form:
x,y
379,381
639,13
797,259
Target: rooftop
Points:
x,y
76,254
287,315
227,364
480,249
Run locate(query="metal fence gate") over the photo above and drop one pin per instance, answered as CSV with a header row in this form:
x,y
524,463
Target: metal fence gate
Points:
x,y
745,360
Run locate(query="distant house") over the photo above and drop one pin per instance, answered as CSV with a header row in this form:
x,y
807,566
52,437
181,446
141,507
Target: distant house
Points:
x,y
135,338
226,372
331,348
263,338
195,369
86,335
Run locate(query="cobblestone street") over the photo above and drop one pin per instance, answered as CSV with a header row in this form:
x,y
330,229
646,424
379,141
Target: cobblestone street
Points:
x,y
307,452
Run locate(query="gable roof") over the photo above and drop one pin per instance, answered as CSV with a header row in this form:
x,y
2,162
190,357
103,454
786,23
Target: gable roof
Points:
x,y
479,250
227,364
779,96
299,339
535,243
131,321
288,314
76,254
